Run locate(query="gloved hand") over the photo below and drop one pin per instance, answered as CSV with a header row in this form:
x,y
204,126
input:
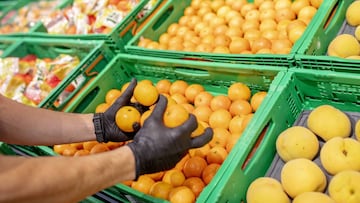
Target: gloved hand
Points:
x,y
157,147
104,123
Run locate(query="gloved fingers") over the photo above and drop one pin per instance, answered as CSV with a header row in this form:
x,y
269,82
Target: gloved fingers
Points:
x,y
189,125
159,109
136,126
201,140
124,98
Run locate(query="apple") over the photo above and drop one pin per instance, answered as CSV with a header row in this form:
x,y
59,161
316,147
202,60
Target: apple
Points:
x,y
339,154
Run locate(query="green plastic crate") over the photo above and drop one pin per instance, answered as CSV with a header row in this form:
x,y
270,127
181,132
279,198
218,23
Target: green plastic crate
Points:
x,y
313,52
171,13
93,56
215,77
299,90
116,39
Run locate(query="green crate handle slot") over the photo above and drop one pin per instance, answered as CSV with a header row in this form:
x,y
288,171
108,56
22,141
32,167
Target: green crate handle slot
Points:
x,y
192,72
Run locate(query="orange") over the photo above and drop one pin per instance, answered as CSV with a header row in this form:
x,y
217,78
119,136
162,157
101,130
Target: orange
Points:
x,y
268,24
175,115
153,45
183,20
279,4
196,184
217,21
297,5
203,99
181,32
285,14
251,35
163,86
160,190
316,3
144,116
260,43
295,33
172,29
143,42
253,15
267,14
200,152
100,147
178,86
293,24
232,140
266,5
307,13
112,95
236,22
222,11
82,152
193,21
208,17
101,108
180,165
143,184
239,90
222,40
209,172
69,151
125,118
281,46
240,107
114,145
222,29
89,144
220,119
208,39
181,194
233,15
220,137
194,166
220,102
179,98
198,27
203,11
247,119
174,177
236,123
234,32
216,4
221,50
157,176
202,113
189,107
250,24
204,47
256,99
164,38
239,45
59,148
146,94
189,11
246,8
77,145
217,154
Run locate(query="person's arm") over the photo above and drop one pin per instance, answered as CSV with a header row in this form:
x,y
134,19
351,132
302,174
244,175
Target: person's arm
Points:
x,y
21,124
63,179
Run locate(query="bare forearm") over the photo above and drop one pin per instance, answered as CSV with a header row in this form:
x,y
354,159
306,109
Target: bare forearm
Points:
x,y
20,124
63,179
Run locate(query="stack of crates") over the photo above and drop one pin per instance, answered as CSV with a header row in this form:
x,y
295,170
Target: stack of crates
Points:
x,y
295,83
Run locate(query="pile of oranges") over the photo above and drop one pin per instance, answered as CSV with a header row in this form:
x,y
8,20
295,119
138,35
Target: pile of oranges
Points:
x,y
237,27
227,114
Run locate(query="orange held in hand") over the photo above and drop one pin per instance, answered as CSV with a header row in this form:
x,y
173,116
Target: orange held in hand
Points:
x,y
175,115
126,117
146,93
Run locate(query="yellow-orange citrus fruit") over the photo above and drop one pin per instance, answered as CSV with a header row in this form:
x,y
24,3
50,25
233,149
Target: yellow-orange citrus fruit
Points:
x,y
125,118
239,90
175,115
146,94
112,95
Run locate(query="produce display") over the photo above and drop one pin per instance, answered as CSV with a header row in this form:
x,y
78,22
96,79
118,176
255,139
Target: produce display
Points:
x,y
81,17
237,27
349,40
316,160
227,114
30,79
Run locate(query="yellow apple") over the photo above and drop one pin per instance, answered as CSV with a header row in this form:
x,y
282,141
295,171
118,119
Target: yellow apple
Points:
x,y
339,154
345,187
302,175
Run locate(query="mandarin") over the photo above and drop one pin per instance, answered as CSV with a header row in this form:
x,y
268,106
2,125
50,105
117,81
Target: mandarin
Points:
x,y
143,184
112,95
220,137
181,194
216,154
160,190
240,107
126,117
220,119
209,172
203,99
220,102
175,115
239,90
194,166
196,184
257,99
174,177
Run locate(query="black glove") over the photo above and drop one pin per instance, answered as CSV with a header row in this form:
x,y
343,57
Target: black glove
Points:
x,y
157,147
104,123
